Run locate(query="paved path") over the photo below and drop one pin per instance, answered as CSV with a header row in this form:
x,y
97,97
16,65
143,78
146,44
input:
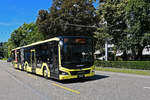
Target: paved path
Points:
x,y
19,85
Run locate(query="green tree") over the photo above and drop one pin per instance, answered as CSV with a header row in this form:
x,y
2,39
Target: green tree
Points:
x,y
3,50
128,24
112,23
10,46
25,34
68,17
138,20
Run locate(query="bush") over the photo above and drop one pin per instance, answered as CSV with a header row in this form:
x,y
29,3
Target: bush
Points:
x,y
4,59
144,65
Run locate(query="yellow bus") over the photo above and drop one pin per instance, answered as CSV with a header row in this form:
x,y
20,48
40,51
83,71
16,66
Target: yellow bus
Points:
x,y
64,57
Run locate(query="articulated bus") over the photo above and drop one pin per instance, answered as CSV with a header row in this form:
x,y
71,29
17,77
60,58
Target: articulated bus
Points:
x,y
64,57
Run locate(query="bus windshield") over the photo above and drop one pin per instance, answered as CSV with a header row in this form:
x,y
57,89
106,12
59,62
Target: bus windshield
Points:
x,y
77,51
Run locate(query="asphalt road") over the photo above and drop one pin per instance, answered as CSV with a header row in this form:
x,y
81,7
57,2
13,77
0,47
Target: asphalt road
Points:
x,y
19,85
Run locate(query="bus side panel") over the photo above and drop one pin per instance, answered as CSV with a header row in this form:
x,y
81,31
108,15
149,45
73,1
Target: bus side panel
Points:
x,y
39,71
15,65
20,67
29,69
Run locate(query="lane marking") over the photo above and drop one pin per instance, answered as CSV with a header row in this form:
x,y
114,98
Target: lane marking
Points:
x,y
146,87
74,91
32,76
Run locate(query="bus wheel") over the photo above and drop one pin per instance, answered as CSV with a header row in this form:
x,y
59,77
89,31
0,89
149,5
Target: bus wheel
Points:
x,y
45,73
26,67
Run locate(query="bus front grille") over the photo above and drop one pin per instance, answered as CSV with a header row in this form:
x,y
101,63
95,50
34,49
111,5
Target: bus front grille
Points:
x,y
80,72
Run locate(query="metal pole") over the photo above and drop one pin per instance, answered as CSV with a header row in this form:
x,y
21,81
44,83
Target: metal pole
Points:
x,y
106,50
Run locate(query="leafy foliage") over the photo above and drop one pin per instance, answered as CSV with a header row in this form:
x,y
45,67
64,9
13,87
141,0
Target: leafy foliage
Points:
x,y
67,17
112,22
25,34
138,18
127,23
3,50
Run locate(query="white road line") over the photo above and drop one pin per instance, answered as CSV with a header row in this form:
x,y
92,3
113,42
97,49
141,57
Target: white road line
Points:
x,y
146,87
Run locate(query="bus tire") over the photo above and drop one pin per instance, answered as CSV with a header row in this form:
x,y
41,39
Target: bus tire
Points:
x,y
25,68
45,73
22,67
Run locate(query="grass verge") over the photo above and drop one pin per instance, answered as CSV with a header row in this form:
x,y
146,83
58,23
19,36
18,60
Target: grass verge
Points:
x,y
128,71
4,59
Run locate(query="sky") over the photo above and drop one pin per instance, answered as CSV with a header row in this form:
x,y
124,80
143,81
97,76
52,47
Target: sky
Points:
x,y
13,13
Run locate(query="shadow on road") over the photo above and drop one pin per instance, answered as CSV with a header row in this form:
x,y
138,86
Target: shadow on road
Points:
x,y
82,80
97,77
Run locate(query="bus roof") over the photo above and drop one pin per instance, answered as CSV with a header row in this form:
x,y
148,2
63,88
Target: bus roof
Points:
x,y
39,42
52,39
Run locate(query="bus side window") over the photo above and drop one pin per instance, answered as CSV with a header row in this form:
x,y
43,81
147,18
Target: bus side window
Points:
x,y
50,52
27,55
38,56
13,55
55,53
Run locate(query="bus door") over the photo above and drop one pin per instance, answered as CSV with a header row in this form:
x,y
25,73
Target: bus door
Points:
x,y
22,58
54,68
18,58
33,60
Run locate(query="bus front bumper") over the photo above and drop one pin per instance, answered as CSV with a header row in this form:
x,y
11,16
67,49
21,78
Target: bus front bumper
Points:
x,y
64,77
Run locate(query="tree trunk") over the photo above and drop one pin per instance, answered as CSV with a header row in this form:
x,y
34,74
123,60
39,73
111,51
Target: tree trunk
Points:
x,y
140,55
125,56
133,55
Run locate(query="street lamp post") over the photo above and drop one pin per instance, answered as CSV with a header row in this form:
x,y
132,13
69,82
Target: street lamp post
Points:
x,y
106,50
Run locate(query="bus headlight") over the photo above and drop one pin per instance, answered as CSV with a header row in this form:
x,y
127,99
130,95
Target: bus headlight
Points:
x,y
63,73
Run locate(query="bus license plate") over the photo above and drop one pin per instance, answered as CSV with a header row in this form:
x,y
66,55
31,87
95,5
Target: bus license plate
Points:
x,y
80,76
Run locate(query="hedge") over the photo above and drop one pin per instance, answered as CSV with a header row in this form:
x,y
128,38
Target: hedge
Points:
x,y
144,65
